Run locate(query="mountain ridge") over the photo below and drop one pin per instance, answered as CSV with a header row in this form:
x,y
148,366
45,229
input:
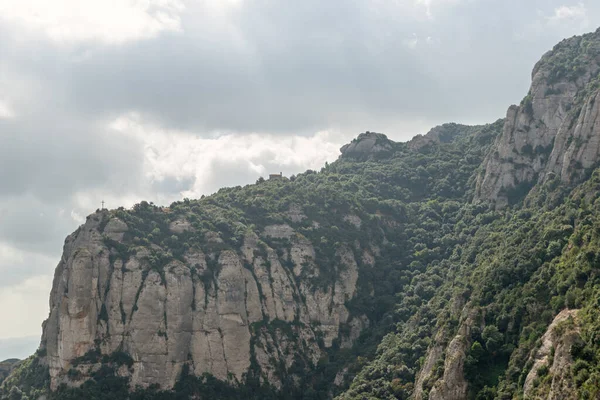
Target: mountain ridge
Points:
x,y
461,264
546,136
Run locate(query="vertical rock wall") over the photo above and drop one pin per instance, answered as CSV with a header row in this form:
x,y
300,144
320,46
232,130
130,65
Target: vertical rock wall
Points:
x,y
256,306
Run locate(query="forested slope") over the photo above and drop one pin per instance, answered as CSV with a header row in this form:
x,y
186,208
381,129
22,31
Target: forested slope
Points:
x,y
462,264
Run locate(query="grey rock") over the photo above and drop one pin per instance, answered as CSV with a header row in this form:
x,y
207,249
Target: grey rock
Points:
x,y
170,316
366,145
180,225
553,133
560,368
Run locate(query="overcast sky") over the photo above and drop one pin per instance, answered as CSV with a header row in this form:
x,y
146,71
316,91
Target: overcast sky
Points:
x,y
124,100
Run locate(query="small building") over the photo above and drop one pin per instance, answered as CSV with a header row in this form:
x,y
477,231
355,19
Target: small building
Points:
x,y
276,176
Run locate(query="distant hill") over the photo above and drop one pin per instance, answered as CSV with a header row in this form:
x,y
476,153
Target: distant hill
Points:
x,y
6,367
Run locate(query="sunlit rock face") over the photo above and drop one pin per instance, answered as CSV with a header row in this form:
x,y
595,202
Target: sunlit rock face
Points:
x,y
554,132
222,312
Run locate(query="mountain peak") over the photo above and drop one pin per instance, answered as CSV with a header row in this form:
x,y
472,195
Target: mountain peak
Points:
x,y
445,133
553,132
367,144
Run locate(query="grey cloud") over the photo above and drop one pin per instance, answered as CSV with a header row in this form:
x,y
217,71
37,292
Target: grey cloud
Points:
x,y
32,264
283,67
296,68
172,186
30,224
268,67
274,67
229,173
50,158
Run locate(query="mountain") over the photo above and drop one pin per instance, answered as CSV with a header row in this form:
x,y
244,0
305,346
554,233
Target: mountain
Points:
x,y
464,264
552,134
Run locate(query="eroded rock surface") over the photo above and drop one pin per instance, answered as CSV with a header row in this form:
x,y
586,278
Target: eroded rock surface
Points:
x,y
555,359
367,145
217,312
554,131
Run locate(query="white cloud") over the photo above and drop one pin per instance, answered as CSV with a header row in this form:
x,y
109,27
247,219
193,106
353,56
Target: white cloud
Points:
x,y
24,307
563,21
16,263
430,4
106,21
576,12
412,42
77,217
6,110
221,6
10,255
184,156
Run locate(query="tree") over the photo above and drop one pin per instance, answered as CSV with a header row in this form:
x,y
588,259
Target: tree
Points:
x,y
492,338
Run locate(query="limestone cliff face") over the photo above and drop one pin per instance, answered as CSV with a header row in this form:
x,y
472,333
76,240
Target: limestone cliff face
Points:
x,y
550,376
554,131
223,312
577,146
367,145
451,352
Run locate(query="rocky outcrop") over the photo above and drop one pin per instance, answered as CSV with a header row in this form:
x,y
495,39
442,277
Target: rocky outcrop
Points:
x,y
550,376
295,213
434,355
219,312
366,146
577,146
553,132
267,283
453,385
440,134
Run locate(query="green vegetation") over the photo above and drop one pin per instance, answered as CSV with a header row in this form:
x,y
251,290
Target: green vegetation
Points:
x,y
518,272
570,57
6,367
409,203
28,381
513,269
452,278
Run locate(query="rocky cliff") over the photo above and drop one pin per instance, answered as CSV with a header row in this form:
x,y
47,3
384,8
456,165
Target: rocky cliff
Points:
x,y
462,264
220,311
368,145
550,375
266,288
553,133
